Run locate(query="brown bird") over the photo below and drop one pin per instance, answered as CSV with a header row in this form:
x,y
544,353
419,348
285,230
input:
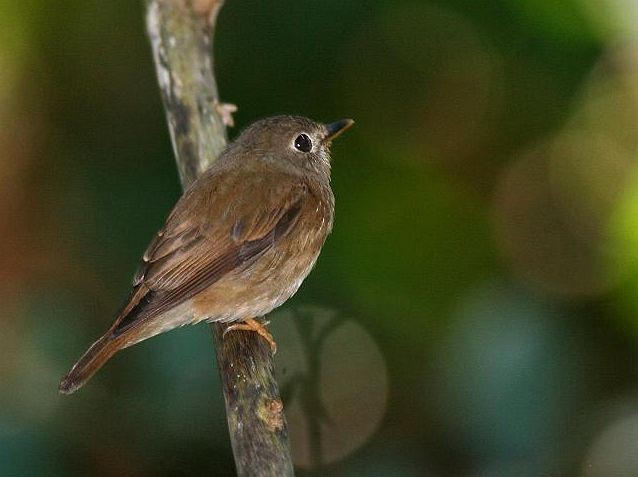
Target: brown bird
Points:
x,y
238,243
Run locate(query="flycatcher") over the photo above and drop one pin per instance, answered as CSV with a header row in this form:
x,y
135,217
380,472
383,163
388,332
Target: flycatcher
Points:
x,y
238,243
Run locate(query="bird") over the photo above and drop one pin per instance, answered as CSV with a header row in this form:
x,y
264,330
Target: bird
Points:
x,y
237,244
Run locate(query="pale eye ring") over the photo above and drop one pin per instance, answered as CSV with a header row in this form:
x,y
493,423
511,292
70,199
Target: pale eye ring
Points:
x,y
303,143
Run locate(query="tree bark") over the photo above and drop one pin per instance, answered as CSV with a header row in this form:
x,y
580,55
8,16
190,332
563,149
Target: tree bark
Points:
x,y
181,35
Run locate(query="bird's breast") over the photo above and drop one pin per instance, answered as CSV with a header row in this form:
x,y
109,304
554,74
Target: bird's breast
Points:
x,y
275,276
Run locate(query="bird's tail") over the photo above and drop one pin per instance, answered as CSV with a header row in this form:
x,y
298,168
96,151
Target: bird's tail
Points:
x,y
90,362
124,332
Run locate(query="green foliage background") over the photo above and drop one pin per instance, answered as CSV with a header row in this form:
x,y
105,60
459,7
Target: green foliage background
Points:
x,y
485,241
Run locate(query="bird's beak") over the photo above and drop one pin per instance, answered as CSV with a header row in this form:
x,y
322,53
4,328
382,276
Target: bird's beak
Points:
x,y
335,129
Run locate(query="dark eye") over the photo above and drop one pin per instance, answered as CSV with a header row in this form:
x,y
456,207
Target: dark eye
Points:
x,y
303,143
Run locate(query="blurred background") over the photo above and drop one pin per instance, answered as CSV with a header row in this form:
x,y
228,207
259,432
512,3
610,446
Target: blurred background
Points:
x,y
475,311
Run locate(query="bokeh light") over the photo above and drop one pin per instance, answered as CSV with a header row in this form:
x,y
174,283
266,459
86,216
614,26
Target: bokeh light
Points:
x,y
334,378
614,450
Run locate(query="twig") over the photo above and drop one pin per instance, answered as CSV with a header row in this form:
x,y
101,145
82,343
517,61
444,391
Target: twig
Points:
x,y
181,33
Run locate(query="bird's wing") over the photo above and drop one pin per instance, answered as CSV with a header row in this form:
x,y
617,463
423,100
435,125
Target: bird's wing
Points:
x,y
221,224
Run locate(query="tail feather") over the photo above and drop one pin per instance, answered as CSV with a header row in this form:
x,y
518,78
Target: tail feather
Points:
x,y
103,349
90,362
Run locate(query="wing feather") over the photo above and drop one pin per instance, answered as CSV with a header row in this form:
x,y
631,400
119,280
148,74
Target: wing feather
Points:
x,y
210,235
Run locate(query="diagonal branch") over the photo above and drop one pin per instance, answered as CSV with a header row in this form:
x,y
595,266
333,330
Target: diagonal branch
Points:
x,y
181,35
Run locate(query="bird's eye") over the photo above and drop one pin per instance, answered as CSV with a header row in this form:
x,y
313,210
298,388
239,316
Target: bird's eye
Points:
x,y
303,143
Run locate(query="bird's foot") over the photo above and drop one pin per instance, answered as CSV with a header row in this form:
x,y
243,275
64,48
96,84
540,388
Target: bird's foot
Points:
x,y
257,326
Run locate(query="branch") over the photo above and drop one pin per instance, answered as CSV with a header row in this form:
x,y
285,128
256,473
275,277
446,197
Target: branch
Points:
x,y
181,34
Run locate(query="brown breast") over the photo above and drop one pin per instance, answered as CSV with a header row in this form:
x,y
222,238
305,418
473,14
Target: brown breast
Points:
x,y
267,282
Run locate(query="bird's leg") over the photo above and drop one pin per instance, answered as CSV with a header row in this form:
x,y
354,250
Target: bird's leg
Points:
x,y
257,326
